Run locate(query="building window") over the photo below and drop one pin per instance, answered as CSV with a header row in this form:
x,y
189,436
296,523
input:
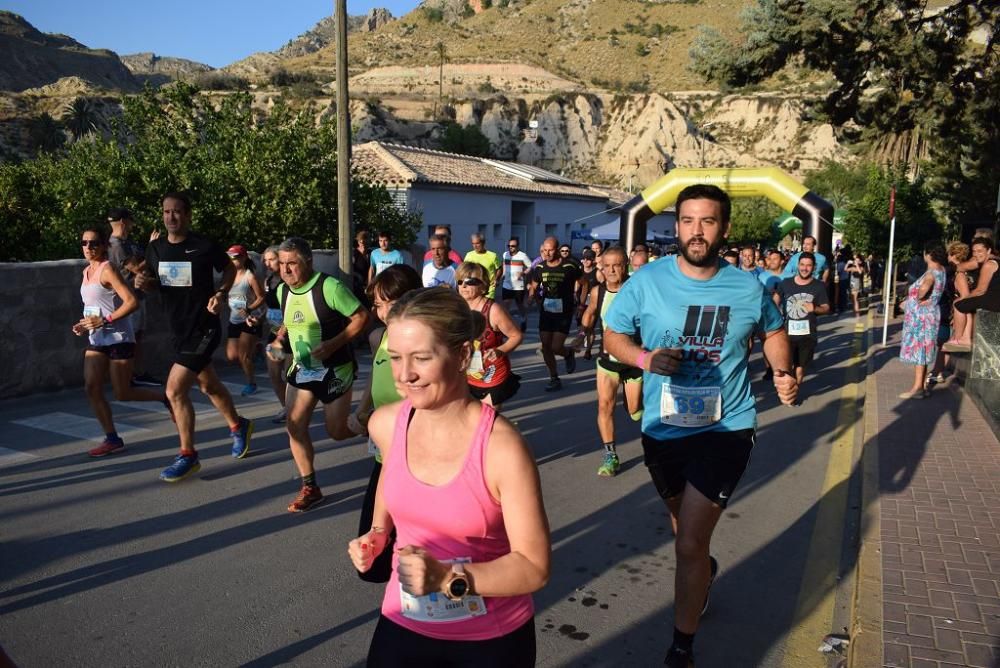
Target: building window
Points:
x,y
497,231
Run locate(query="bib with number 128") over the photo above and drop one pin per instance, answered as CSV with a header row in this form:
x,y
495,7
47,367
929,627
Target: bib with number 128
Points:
x,y
690,406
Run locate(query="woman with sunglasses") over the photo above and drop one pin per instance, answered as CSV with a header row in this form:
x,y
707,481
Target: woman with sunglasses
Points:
x,y
243,333
461,488
490,377
107,303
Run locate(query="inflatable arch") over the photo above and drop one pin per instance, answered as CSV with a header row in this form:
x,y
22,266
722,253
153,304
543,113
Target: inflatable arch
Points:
x,y
769,182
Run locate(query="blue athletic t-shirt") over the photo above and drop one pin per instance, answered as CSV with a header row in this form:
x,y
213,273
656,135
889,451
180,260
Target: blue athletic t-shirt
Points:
x,y
792,267
383,260
712,321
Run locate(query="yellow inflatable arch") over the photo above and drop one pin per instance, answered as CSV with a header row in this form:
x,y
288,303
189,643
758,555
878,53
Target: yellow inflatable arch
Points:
x,y
815,212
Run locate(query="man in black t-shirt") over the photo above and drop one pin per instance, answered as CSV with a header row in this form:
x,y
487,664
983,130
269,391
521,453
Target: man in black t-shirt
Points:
x,y
800,299
180,266
555,285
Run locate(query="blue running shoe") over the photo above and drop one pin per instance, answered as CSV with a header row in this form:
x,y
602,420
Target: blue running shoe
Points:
x,y
183,466
248,389
241,438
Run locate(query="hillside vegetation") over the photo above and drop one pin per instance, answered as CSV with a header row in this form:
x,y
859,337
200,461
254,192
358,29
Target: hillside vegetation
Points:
x,y
625,45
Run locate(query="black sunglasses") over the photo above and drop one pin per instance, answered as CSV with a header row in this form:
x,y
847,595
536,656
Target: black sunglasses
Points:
x,y
91,243
471,282
512,246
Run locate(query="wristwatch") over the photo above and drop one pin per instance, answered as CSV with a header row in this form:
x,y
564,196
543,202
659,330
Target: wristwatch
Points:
x,y
456,585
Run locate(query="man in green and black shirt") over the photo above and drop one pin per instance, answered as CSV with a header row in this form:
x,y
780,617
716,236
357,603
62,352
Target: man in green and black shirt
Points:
x,y
321,316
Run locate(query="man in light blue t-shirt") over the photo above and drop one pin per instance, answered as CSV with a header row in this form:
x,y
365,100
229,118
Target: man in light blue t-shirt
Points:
x,y
696,314
821,272
384,256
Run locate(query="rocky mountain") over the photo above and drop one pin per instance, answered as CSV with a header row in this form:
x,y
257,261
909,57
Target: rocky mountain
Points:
x,y
321,36
159,70
30,58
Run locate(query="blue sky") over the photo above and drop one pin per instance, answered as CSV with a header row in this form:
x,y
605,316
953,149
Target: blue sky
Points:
x,y
215,32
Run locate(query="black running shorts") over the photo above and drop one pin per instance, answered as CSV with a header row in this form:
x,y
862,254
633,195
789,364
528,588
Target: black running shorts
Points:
x,y
195,353
803,348
555,322
713,462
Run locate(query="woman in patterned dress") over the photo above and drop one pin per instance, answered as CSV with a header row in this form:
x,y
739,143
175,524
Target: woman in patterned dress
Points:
x,y
920,324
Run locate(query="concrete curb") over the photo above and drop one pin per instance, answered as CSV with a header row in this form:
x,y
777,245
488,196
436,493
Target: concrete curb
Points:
x,y
866,650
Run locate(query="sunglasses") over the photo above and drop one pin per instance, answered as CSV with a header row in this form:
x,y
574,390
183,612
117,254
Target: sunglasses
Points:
x,y
471,282
512,246
91,243
565,251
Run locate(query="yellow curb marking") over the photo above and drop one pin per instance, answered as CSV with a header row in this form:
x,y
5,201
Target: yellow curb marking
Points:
x,y
817,594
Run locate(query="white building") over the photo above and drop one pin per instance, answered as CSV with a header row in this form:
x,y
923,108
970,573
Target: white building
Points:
x,y
494,198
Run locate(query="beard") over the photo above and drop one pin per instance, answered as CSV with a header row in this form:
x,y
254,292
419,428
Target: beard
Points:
x,y
706,259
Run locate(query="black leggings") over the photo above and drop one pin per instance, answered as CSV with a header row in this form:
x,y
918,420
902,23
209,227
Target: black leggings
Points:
x,y
394,646
382,566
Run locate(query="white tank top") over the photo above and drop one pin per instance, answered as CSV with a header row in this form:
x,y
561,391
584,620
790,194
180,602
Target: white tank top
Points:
x,y
101,301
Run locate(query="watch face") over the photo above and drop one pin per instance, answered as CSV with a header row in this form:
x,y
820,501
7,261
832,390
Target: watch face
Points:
x,y
458,587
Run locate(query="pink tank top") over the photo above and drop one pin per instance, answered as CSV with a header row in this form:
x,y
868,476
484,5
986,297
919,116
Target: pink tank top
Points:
x,y
458,520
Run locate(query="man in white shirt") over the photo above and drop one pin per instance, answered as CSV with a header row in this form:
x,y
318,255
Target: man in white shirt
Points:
x,y
515,264
439,271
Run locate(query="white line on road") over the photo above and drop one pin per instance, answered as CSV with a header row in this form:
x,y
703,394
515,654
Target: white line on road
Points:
x,y
76,426
10,457
157,407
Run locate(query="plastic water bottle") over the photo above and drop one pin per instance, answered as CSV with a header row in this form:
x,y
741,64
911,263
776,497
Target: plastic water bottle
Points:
x,y
275,351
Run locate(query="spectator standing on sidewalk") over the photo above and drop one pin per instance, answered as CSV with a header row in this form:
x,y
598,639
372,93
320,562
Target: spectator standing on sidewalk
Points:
x,y
922,318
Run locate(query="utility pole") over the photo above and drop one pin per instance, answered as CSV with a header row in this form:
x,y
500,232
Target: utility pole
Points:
x,y
345,239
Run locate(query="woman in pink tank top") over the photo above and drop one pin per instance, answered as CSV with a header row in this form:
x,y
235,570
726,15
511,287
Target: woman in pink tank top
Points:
x,y
107,304
461,489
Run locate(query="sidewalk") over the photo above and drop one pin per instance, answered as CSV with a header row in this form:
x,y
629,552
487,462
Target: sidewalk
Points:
x,y
929,575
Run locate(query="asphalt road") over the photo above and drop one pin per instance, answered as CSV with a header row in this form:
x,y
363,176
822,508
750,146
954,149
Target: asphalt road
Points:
x,y
101,564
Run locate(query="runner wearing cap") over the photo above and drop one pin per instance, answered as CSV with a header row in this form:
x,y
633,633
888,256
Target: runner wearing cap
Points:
x,y
243,333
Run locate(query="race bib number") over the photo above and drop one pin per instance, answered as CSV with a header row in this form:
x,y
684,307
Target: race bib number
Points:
x,y
476,363
90,311
798,327
552,305
235,306
305,375
274,316
175,274
690,406
437,607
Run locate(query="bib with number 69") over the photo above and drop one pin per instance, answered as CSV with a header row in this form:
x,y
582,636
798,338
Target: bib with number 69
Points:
x,y
690,406
798,327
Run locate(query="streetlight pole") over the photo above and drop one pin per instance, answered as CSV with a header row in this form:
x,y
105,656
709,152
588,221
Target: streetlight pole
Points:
x,y
344,236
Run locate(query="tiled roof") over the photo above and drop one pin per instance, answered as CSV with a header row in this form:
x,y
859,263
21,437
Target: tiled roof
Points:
x,y
394,164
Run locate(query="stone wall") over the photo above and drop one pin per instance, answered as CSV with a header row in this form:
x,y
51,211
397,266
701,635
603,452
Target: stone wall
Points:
x,y
41,302
983,383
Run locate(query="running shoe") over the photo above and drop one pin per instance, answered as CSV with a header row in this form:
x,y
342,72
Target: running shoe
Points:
x,y
678,658
554,384
281,417
241,438
309,496
108,447
183,466
146,380
248,389
711,579
571,361
609,467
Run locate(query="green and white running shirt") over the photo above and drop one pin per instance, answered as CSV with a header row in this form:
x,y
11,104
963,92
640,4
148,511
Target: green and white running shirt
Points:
x,y
317,312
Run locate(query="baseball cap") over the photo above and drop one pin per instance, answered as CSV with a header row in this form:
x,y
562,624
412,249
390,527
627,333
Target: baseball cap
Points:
x,y
119,213
589,254
236,250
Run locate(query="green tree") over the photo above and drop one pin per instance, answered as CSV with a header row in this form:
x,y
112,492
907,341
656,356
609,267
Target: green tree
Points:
x,y
80,118
45,133
468,140
897,67
752,220
867,223
254,179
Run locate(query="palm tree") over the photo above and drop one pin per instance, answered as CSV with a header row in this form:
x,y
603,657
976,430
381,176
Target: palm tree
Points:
x,y
45,133
80,117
